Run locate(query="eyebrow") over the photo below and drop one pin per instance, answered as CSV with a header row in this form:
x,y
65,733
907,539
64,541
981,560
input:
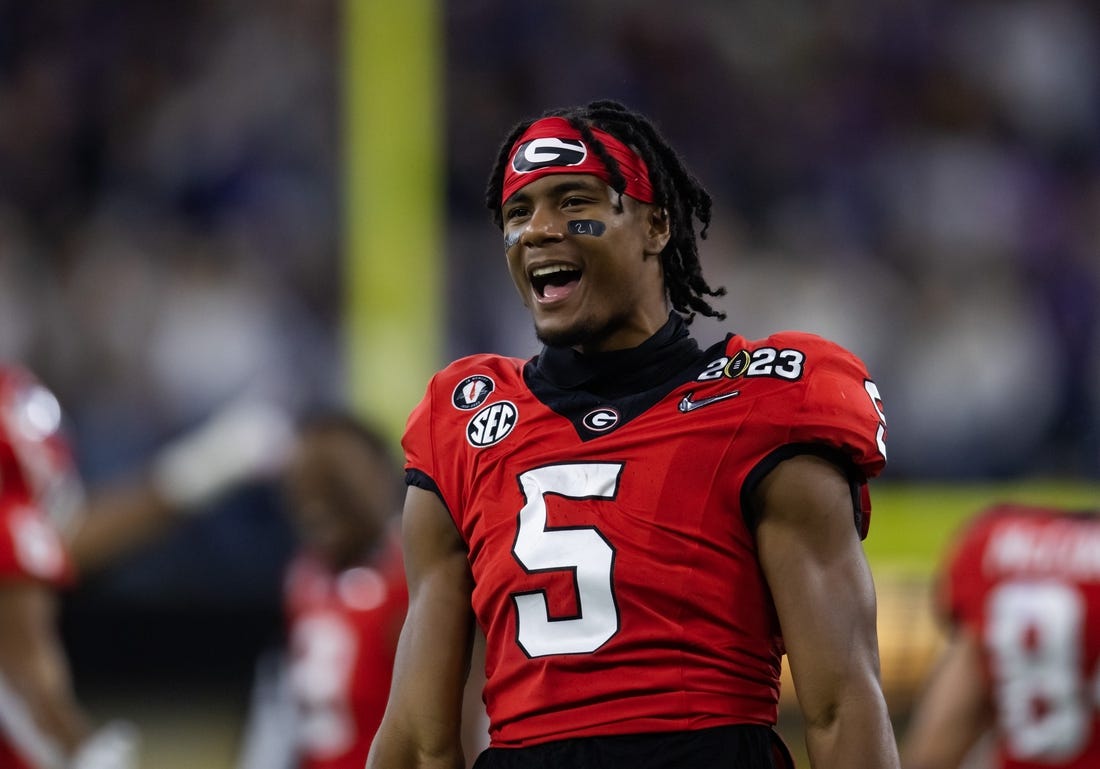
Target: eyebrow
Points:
x,y
555,191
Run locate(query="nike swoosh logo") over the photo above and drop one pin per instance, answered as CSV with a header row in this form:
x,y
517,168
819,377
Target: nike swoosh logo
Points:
x,y
687,404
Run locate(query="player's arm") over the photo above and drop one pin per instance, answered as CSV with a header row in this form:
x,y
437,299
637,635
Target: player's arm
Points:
x,y
243,442
117,521
475,721
819,578
38,710
953,711
422,725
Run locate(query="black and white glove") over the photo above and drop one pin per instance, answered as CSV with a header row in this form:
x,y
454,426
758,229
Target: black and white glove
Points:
x,y
244,441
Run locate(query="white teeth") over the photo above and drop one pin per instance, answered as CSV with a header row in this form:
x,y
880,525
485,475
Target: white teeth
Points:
x,y
550,269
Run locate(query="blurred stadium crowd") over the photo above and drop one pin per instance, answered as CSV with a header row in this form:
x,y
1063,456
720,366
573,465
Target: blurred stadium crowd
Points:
x,y
168,241
916,179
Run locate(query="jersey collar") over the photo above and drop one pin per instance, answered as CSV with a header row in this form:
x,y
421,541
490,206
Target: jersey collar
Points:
x,y
622,372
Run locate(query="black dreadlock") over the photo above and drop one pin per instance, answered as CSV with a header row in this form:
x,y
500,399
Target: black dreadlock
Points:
x,y
674,188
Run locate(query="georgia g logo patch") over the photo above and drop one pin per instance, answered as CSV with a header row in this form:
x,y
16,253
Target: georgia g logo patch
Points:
x,y
542,153
601,420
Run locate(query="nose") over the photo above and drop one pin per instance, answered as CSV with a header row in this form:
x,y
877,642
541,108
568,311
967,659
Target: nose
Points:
x,y
544,225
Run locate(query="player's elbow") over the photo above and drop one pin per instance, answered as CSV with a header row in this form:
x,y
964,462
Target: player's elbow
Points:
x,y
856,705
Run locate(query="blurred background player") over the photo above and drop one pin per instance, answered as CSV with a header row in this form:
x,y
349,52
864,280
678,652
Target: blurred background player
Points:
x,y
1020,593
318,704
50,533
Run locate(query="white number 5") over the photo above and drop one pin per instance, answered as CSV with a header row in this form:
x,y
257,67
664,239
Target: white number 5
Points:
x,y
582,551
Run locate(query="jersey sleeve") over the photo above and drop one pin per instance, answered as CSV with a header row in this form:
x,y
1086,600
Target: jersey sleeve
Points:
x,y
824,402
959,587
420,467
434,439
441,439
841,406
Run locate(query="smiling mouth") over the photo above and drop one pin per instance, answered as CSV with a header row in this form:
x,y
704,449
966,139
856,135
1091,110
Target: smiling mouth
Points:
x,y
554,282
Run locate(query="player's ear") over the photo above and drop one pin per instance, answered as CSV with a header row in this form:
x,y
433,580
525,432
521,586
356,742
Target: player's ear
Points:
x,y
658,229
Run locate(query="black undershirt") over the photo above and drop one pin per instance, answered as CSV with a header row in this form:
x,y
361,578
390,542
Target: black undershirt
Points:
x,y
628,381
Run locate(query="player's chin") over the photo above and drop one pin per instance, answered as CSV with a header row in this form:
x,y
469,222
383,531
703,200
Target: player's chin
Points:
x,y
559,331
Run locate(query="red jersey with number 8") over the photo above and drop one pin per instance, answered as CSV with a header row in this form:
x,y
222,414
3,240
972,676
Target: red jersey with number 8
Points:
x,y
616,573
1026,580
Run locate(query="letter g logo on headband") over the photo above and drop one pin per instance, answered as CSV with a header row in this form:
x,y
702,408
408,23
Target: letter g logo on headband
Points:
x,y
551,145
548,151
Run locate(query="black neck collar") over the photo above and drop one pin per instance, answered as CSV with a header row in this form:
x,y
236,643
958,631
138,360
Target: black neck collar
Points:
x,y
622,372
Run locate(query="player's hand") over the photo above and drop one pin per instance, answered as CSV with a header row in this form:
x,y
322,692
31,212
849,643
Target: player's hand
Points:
x,y
114,746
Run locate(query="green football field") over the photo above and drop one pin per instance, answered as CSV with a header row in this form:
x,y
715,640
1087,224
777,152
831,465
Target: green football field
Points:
x,y
911,524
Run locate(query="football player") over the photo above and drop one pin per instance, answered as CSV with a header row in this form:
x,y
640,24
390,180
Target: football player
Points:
x,y
345,600
1020,675
640,526
318,705
50,532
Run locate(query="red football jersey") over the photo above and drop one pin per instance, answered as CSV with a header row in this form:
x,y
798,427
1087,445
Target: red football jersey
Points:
x,y
9,759
616,573
30,545
37,485
35,463
1026,580
343,634
30,549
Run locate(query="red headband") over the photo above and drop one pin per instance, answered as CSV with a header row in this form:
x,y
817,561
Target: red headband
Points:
x,y
552,146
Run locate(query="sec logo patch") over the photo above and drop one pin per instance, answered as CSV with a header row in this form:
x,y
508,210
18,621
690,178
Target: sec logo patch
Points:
x,y
492,424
